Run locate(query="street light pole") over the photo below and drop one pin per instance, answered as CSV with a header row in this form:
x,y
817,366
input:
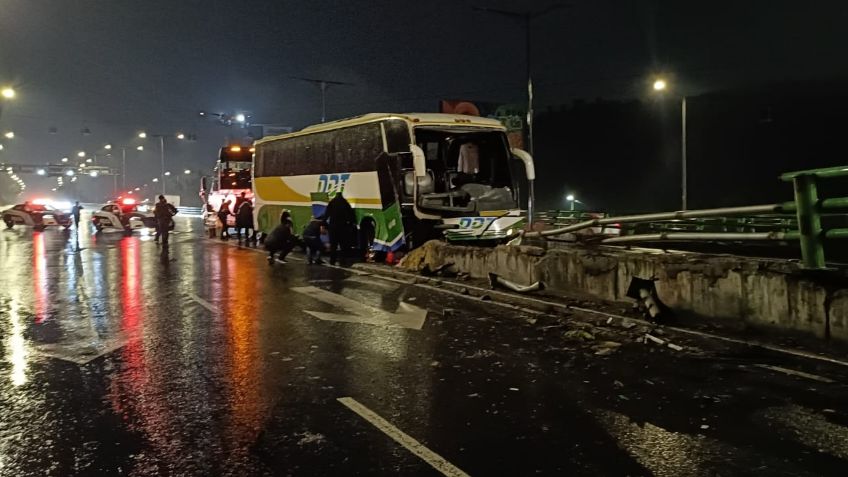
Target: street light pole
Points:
x,y
323,84
683,178
162,156
123,168
527,17
660,85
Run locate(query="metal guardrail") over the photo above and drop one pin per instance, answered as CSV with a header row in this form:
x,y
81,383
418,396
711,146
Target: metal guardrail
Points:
x,y
747,223
190,211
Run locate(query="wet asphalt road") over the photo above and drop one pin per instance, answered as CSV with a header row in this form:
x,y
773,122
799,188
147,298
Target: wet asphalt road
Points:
x,y
120,360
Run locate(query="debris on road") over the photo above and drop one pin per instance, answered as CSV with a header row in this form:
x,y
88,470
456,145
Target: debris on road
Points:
x,y
650,337
579,335
644,291
495,280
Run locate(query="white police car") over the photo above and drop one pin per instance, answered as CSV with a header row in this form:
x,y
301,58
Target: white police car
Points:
x,y
36,215
124,216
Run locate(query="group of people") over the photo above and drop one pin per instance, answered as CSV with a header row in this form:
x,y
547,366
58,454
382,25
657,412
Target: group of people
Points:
x,y
244,218
331,232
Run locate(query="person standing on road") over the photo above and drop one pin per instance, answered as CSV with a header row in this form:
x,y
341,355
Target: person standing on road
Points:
x,y
341,220
75,211
244,220
223,214
164,213
241,199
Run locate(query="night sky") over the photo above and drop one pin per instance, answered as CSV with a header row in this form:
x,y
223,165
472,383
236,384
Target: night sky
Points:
x,y
120,66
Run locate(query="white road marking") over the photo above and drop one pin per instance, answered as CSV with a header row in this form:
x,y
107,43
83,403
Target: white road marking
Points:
x,y
203,303
81,351
406,316
369,280
793,372
810,428
435,460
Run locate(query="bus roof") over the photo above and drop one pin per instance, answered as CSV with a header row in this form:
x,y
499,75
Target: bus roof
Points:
x,y
417,119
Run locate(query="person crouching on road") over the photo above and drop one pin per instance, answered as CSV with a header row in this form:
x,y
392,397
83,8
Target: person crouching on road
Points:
x,y
164,213
281,239
223,214
312,240
244,220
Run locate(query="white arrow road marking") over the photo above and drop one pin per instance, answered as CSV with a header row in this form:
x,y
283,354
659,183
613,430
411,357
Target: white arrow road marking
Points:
x,y
810,428
406,316
435,460
81,351
203,303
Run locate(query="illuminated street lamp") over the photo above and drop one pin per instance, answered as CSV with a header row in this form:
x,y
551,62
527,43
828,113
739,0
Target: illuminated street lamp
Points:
x,y
162,137
139,148
572,200
660,86
8,93
64,159
9,135
41,172
69,172
168,173
187,171
1,147
107,147
155,179
81,154
89,160
93,173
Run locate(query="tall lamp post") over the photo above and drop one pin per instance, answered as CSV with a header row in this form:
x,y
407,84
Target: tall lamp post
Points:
x,y
323,84
144,135
660,85
123,149
526,17
6,93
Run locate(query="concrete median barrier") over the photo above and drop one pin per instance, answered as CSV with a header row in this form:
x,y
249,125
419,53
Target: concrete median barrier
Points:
x,y
754,292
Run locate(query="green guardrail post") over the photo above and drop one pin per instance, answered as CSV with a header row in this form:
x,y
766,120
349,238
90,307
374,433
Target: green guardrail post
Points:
x,y
809,221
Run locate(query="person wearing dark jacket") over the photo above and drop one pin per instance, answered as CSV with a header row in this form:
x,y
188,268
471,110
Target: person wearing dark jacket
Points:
x,y
223,214
164,213
281,239
244,220
75,211
341,220
312,240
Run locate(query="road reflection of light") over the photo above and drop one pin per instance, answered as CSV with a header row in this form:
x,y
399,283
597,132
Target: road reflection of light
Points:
x,y
247,401
39,276
130,284
16,345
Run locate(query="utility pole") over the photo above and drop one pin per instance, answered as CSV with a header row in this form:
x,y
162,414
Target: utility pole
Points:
x,y
323,84
526,17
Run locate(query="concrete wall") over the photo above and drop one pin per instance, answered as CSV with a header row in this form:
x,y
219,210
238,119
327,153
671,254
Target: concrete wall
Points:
x,y
759,292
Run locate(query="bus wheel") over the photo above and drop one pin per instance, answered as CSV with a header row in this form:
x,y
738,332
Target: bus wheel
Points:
x,y
8,221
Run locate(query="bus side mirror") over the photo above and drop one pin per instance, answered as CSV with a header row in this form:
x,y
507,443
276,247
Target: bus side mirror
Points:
x,y
203,185
527,159
419,163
